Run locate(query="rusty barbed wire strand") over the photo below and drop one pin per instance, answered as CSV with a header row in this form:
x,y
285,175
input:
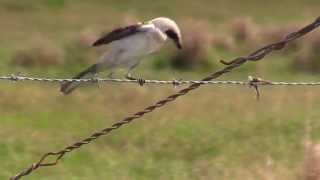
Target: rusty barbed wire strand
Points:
x,y
237,62
251,81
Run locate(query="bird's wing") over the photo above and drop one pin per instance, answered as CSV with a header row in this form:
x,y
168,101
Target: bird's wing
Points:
x,y
119,34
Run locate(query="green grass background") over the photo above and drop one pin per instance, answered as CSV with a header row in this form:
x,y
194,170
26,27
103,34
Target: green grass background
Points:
x,y
212,133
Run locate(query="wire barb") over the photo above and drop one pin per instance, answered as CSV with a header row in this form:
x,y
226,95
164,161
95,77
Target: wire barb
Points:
x,y
13,77
255,82
231,65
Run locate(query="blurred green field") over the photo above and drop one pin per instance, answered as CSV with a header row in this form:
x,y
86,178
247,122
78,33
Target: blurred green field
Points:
x,y
212,133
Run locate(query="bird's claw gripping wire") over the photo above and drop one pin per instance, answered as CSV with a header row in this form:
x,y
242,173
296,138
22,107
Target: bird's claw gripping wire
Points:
x,y
140,81
94,79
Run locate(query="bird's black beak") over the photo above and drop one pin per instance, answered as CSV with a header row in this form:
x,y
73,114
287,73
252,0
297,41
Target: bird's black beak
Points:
x,y
178,44
176,39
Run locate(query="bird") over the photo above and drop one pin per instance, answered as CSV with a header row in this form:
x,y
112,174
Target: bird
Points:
x,y
128,46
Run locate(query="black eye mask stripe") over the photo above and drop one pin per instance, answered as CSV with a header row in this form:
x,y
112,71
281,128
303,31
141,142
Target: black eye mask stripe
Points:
x,y
174,36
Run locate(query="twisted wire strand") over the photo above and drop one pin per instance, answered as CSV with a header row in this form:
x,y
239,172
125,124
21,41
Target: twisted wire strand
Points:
x,y
233,64
250,81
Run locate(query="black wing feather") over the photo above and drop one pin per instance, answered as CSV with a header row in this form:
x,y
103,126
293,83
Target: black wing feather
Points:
x,y
117,34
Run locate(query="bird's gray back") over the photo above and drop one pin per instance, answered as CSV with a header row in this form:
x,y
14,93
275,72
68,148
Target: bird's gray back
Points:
x,y
130,50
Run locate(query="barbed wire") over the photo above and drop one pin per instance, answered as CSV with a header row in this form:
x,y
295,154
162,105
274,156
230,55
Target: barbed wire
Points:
x,y
251,81
231,65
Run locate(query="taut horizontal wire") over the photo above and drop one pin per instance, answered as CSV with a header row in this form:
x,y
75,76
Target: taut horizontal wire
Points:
x,y
250,81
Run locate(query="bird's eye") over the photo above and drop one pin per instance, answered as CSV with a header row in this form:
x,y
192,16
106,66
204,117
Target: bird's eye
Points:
x,y
174,36
171,34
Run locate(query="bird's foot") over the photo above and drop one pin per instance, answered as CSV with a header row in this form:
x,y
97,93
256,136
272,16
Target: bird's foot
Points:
x,y
139,80
94,79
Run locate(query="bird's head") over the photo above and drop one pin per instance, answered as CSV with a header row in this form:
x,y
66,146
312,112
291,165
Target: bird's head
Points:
x,y
170,28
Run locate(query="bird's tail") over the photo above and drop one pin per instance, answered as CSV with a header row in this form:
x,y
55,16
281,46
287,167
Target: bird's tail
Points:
x,y
68,87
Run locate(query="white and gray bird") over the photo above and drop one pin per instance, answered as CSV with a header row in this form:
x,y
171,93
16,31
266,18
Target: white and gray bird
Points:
x,y
128,45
